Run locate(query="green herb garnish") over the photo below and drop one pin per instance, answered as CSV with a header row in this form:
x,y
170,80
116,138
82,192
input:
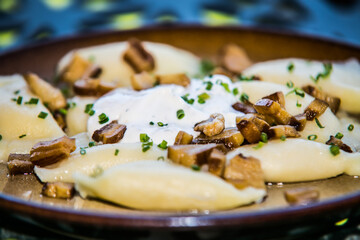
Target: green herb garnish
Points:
x,y
186,99
180,114
312,137
163,144
0,137
226,87
298,104
245,78
244,97
19,100
203,97
290,84
89,110
334,149
326,72
235,91
116,152
151,123
63,111
17,92
91,144
259,145
144,137
103,118
161,158
195,167
283,138
32,101
22,136
351,127
160,124
208,85
297,91
264,137
82,151
318,123
206,67
42,115
339,135
291,67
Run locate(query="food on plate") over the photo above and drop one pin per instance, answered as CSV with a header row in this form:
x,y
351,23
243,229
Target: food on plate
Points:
x,y
150,126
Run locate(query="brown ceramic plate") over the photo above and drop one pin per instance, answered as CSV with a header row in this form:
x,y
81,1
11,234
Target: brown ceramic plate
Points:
x,y
20,195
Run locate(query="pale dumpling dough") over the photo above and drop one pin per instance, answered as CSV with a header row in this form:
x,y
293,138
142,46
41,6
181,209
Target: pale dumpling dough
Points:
x,y
22,119
168,60
343,82
297,160
98,156
158,185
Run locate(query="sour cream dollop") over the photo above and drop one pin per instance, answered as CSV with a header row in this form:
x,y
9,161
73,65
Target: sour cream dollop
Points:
x,y
159,105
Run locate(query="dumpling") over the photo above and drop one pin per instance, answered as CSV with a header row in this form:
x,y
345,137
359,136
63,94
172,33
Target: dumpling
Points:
x,y
20,124
168,60
158,185
297,160
343,81
103,156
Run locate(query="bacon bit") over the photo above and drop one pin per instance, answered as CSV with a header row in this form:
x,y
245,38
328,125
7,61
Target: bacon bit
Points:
x,y
334,102
243,172
178,79
46,92
234,58
251,126
302,196
315,109
79,68
49,152
58,190
212,126
110,133
337,142
137,57
183,138
92,87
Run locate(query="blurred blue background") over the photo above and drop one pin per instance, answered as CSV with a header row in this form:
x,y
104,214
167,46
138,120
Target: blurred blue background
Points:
x,y
27,21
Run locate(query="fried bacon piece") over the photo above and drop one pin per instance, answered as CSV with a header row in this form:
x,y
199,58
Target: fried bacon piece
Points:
x,y
251,126
333,102
110,133
19,164
273,109
143,80
315,109
189,155
230,137
92,87
233,58
183,138
79,68
244,172
302,196
58,190
49,152
244,107
283,130
47,93
178,79
335,141
277,97
212,126
138,58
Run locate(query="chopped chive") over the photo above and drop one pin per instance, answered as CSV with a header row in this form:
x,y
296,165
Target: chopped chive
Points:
x,y
33,101
291,67
235,91
186,99
334,149
259,145
163,144
290,84
17,92
19,100
245,78
283,138
226,87
318,123
91,144
82,151
103,118
161,158
89,110
351,127
42,115
201,101
116,152
264,137
326,72
312,137
339,135
298,104
13,99
244,97
195,167
208,85
151,123
0,137
206,67
180,114
63,111
160,124
297,91
144,137
146,146
203,97
22,136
